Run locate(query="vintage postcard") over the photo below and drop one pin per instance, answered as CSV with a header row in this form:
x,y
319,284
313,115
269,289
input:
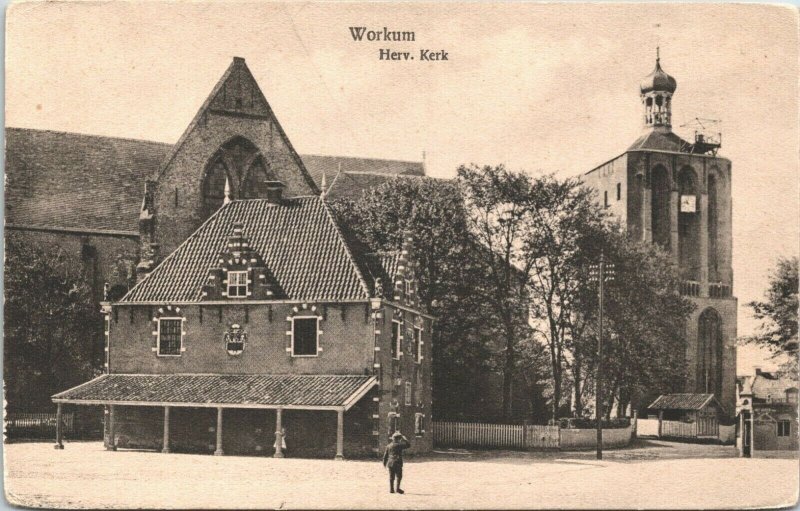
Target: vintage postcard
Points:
x,y
354,255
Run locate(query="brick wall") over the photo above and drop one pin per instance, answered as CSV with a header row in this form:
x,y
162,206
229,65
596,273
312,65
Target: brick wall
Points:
x,y
395,373
346,340
179,200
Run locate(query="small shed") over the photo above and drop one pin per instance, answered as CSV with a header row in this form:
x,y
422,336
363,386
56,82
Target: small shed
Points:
x,y
675,411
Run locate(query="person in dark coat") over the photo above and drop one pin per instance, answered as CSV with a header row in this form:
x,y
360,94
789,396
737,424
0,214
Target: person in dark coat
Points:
x,y
393,459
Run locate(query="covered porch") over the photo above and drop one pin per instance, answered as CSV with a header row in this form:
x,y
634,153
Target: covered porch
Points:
x,y
234,414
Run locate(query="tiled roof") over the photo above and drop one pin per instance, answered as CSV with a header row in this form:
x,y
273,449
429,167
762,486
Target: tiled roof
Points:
x,y
233,389
769,384
682,401
659,140
317,164
352,185
389,262
69,180
298,239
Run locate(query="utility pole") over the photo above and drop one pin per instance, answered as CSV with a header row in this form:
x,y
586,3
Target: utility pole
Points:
x,y
600,272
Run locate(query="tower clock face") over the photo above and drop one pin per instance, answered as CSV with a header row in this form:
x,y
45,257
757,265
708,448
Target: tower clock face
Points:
x,y
688,204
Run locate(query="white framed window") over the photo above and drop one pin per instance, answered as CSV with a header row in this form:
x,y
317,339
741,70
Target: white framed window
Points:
x,y
170,337
396,351
305,336
237,284
784,428
409,390
417,344
409,288
419,424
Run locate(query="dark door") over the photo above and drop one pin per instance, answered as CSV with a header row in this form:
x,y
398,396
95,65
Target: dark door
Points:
x,y
746,434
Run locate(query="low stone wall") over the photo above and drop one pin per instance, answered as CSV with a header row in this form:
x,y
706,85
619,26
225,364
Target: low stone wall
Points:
x,y
647,427
575,439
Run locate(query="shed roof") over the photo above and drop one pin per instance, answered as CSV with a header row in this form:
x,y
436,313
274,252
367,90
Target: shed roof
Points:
x,y
686,401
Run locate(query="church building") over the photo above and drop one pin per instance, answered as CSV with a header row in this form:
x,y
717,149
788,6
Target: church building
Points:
x,y
257,325
677,193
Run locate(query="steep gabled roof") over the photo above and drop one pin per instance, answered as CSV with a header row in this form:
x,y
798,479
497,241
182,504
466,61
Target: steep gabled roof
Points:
x,y
257,104
298,239
74,181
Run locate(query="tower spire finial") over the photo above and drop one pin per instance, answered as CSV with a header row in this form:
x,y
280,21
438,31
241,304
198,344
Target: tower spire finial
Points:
x,y
658,54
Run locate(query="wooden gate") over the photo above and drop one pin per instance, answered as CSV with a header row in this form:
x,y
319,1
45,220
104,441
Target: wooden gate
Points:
x,y
707,426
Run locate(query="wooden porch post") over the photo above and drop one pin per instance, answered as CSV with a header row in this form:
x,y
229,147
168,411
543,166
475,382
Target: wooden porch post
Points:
x,y
660,418
112,443
59,428
165,448
278,433
340,434
219,451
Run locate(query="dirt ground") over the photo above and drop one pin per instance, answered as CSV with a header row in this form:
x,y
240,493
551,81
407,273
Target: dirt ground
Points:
x,y
652,474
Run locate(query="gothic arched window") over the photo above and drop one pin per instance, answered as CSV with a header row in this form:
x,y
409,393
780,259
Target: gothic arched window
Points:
x,y
689,224
256,181
659,204
709,352
240,161
214,186
713,228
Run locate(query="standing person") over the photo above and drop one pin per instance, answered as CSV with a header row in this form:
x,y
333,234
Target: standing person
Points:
x,y
393,459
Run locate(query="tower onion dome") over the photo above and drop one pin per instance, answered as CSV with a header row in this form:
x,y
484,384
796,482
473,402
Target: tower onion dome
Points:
x,y
658,81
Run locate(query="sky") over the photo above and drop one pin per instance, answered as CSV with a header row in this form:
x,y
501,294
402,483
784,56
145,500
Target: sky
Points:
x,y
537,87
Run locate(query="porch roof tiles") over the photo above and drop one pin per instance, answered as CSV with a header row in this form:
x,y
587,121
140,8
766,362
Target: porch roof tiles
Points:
x,y
229,390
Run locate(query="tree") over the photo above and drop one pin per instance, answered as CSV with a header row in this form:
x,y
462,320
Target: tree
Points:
x,y
645,342
778,314
53,328
563,230
497,208
451,287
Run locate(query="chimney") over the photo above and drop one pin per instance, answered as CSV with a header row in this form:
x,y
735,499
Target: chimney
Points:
x,y
275,191
757,370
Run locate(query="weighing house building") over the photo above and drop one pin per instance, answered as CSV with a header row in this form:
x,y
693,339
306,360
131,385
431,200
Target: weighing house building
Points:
x,y
267,329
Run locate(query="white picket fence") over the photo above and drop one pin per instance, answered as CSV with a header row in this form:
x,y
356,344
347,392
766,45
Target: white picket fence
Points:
x,y
509,436
44,422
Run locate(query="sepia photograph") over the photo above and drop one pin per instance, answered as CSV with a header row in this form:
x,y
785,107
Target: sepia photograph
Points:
x,y
401,255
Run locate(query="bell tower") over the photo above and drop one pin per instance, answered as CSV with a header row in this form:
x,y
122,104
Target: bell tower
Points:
x,y
656,91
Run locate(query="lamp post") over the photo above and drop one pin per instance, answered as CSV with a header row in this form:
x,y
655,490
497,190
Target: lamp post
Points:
x,y
600,273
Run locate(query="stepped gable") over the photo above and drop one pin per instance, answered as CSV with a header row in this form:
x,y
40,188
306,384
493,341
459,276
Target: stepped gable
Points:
x,y
299,242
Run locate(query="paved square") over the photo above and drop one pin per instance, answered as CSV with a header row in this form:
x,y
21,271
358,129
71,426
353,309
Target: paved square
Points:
x,y
653,475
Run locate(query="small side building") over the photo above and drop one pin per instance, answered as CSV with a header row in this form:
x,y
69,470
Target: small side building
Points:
x,y
768,414
688,415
